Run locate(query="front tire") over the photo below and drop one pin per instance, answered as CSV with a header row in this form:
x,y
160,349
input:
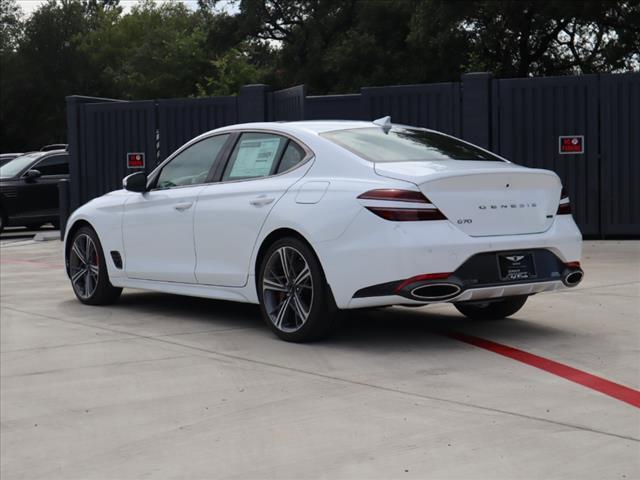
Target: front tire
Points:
x,y
88,270
493,310
295,299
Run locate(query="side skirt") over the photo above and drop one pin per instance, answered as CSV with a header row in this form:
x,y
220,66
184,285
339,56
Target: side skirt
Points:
x,y
188,289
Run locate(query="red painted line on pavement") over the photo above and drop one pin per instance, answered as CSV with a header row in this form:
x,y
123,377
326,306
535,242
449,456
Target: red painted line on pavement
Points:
x,y
12,261
612,389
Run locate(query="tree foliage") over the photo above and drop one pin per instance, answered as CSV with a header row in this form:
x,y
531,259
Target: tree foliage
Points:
x,y
164,50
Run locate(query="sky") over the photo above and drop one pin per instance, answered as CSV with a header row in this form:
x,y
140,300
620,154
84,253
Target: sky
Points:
x,y
28,6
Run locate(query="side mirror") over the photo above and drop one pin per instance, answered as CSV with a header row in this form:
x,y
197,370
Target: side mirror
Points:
x,y
136,182
31,175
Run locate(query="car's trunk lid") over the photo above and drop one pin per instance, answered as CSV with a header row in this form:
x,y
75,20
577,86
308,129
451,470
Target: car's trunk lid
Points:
x,y
484,198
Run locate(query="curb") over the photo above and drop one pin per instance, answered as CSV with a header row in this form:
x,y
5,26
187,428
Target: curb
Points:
x,y
46,236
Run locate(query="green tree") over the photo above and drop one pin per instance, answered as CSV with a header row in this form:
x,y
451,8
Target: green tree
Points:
x,y
46,67
154,51
536,37
10,25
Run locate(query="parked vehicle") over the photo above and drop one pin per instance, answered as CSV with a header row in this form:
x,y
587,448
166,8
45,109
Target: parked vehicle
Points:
x,y
308,217
29,190
6,157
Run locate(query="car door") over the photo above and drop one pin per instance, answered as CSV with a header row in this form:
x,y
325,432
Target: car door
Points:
x,y
230,213
39,196
157,226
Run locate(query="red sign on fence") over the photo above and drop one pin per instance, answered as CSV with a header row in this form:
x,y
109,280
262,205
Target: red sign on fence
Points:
x,y
135,160
571,144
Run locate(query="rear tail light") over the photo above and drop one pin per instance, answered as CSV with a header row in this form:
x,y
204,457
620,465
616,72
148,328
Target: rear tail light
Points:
x,y
401,214
565,205
395,195
572,264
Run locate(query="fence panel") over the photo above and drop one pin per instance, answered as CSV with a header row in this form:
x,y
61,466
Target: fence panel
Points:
x,y
288,104
529,115
620,154
180,120
434,106
109,131
334,107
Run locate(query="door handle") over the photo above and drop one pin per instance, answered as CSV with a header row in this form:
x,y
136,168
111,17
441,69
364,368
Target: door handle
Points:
x,y
181,207
261,201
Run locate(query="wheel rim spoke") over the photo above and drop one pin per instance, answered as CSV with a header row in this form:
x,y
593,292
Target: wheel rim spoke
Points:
x,y
76,250
284,262
282,312
303,276
274,285
77,276
87,248
299,307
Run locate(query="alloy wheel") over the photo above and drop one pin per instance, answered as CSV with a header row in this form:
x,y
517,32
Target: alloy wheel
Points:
x,y
287,289
84,266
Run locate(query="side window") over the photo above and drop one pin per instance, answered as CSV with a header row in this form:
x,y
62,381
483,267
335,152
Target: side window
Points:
x,y
255,155
54,165
292,155
192,166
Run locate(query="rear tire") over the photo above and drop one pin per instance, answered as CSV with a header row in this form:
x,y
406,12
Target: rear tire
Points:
x,y
88,269
493,310
295,299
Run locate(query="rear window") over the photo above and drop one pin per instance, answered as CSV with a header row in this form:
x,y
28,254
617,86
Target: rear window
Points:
x,y
405,145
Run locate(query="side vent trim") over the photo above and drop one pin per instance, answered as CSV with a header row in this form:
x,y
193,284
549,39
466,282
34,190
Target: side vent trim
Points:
x,y
117,259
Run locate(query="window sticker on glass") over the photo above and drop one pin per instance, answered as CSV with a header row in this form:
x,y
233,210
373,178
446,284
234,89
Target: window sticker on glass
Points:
x,y
255,158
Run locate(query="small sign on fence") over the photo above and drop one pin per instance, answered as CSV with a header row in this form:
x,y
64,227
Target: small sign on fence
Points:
x,y
135,160
571,144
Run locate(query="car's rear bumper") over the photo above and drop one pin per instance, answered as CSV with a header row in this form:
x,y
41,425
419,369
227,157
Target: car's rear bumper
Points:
x,y
469,295
373,251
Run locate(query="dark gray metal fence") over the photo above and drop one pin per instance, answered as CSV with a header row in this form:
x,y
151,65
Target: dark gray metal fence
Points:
x,y
431,106
180,120
520,119
529,116
620,154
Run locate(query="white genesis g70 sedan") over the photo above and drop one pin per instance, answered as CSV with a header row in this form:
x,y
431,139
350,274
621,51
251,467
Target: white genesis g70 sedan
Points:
x,y
308,218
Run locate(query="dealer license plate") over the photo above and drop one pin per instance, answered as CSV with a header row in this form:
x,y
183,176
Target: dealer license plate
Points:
x,y
516,266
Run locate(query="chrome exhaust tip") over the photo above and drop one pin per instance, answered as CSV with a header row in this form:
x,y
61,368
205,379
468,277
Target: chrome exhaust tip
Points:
x,y
436,291
574,278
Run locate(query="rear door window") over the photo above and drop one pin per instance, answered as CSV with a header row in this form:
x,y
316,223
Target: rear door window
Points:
x,y
255,155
